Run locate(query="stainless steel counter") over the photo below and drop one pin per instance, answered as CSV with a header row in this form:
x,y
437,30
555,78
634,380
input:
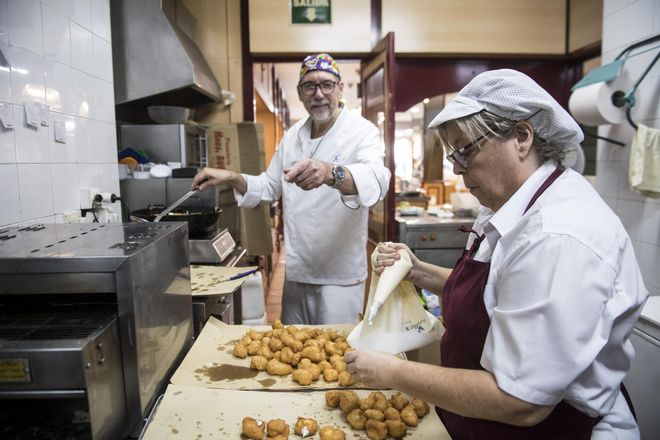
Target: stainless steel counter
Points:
x,y
434,239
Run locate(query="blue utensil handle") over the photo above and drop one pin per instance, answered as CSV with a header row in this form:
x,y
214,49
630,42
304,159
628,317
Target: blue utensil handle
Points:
x,y
243,274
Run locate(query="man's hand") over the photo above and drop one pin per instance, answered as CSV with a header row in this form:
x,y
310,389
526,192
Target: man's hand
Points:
x,y
214,176
309,174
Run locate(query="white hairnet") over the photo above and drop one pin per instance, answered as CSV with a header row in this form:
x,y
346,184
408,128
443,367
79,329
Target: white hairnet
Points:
x,y
513,95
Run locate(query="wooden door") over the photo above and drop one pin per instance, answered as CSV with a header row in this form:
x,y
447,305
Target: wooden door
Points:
x,y
377,79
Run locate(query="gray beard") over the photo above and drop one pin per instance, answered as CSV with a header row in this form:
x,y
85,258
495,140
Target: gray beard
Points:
x,y
323,115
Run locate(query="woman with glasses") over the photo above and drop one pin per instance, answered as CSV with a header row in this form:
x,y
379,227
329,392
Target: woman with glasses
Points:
x,y
329,170
539,308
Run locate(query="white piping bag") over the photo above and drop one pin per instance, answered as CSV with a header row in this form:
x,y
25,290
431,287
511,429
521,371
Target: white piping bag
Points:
x,y
387,283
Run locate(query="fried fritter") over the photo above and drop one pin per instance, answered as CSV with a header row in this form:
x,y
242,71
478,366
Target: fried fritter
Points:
x,y
303,376
277,427
306,427
399,401
348,401
357,419
240,350
380,401
376,430
277,368
421,408
252,428
392,414
332,398
258,363
409,416
396,428
328,433
367,402
345,379
374,414
330,375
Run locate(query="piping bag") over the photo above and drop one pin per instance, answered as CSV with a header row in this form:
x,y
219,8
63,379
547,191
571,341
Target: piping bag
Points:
x,y
396,321
388,282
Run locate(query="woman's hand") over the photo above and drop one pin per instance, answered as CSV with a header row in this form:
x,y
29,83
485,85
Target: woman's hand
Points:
x,y
388,254
371,368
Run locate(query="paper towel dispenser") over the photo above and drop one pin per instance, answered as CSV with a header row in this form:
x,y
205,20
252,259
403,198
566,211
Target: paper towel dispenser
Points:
x,y
605,95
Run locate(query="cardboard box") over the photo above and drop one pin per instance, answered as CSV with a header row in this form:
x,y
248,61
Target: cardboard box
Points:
x,y
239,147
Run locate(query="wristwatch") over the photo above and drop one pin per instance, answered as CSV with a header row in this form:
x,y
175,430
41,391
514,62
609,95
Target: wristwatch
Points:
x,y
339,174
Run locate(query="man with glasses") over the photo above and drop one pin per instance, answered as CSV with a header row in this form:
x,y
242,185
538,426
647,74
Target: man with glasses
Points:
x,y
539,309
329,170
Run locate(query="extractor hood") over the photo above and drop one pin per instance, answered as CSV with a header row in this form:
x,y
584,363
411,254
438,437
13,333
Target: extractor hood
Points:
x,y
155,61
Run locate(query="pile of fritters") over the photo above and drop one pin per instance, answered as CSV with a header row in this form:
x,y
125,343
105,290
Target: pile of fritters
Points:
x,y
379,416
278,429
305,353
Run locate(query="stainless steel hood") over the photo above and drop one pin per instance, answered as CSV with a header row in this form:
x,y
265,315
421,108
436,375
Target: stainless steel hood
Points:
x,y
155,61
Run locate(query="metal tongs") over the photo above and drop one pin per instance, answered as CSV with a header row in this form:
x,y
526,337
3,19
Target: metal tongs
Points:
x,y
169,209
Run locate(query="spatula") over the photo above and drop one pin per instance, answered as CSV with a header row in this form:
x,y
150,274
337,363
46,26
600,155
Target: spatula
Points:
x,y
167,210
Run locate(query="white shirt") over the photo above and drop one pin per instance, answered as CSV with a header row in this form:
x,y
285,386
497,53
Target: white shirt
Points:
x,y
325,233
563,294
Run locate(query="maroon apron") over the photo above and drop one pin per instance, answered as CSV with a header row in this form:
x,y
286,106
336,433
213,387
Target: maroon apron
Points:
x,y
467,323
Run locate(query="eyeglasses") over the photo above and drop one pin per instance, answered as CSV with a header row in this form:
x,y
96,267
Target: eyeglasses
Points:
x,y
309,88
459,156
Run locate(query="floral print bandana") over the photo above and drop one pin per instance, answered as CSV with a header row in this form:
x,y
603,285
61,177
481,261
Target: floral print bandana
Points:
x,y
321,61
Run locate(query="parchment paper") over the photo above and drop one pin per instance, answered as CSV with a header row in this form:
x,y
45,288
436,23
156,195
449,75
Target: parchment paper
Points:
x,y
187,412
214,280
210,362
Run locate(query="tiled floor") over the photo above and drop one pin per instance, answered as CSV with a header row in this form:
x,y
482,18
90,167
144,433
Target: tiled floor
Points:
x,y
274,294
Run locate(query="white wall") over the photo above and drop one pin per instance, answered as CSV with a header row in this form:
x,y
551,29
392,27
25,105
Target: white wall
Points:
x,y
626,22
60,54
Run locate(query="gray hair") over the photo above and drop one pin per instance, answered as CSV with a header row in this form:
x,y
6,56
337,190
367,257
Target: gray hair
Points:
x,y
485,123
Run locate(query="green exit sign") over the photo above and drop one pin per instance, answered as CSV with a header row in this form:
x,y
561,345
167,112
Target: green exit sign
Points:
x,y
310,11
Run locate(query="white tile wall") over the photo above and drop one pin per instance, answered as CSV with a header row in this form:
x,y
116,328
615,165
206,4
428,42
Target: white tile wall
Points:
x,y
60,54
58,44
626,22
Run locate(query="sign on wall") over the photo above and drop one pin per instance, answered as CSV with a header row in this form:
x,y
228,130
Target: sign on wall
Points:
x,y
310,11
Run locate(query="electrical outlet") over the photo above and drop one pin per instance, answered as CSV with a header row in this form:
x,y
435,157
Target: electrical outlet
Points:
x,y
71,216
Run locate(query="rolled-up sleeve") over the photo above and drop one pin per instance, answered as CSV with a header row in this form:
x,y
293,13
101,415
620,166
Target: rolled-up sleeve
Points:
x,y
266,187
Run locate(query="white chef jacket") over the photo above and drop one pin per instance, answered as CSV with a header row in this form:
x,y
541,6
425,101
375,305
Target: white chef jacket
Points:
x,y
563,293
325,233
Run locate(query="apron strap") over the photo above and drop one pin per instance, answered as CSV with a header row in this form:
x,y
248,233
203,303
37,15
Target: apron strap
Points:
x,y
477,241
555,174
624,391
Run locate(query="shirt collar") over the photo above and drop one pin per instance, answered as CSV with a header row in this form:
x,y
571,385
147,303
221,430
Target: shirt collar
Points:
x,y
510,213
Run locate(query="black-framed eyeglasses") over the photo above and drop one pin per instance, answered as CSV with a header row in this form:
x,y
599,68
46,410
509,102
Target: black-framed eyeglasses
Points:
x,y
309,88
459,156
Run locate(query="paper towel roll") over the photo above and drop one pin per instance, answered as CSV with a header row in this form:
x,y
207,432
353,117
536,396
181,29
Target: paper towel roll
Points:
x,y
592,105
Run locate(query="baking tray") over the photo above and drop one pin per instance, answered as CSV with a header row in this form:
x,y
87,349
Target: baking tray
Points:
x,y
210,362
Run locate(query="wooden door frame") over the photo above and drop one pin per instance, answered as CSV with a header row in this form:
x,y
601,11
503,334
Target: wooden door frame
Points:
x,y
383,55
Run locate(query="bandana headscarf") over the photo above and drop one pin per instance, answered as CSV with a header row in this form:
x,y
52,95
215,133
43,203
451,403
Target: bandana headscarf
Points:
x,y
321,61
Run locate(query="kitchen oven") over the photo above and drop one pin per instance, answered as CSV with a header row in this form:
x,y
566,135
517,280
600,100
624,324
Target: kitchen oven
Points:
x,y
94,318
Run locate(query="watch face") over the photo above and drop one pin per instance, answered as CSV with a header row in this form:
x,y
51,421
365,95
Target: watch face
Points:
x,y
339,175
